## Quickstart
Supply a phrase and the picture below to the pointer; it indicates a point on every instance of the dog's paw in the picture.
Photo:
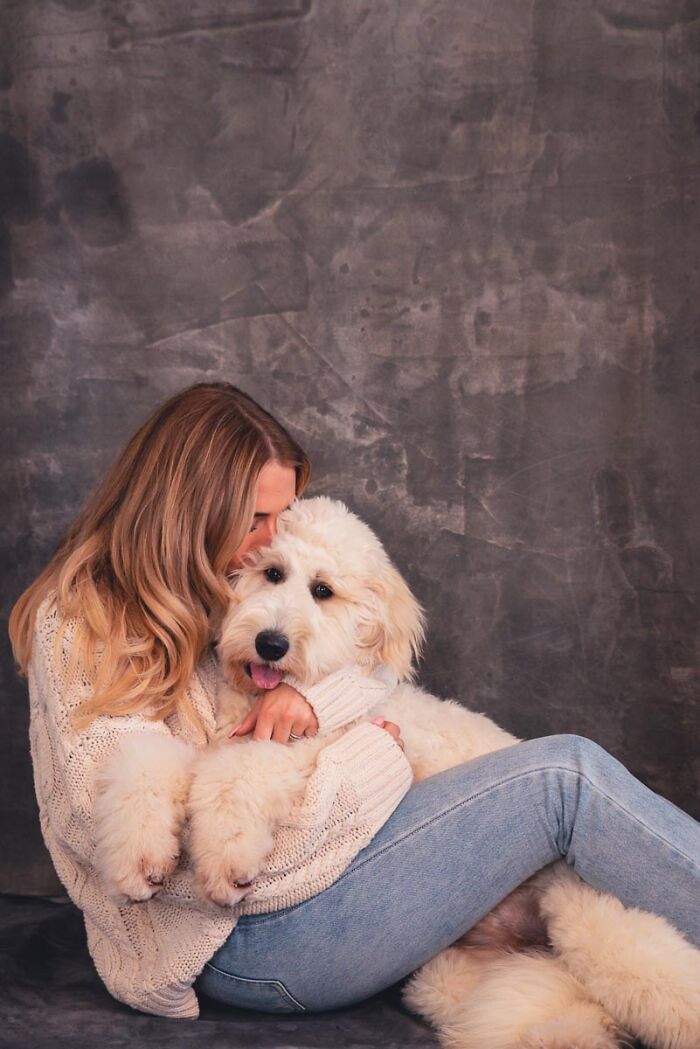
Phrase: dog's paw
(584, 1027)
(133, 871)
(226, 870)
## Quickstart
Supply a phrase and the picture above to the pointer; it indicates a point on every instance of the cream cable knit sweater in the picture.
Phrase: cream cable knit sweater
(149, 954)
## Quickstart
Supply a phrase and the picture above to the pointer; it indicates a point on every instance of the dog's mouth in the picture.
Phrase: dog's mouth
(263, 675)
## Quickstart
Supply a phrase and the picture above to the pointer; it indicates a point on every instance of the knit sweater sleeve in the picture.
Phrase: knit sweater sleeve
(369, 763)
(345, 695)
(147, 954)
(67, 761)
(68, 766)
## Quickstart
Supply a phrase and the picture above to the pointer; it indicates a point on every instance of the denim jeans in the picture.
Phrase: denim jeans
(457, 844)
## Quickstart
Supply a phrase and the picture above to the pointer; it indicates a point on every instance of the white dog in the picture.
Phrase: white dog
(556, 965)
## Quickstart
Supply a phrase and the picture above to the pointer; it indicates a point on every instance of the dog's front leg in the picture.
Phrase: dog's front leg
(138, 813)
(240, 793)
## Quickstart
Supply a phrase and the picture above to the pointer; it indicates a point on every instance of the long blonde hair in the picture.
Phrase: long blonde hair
(142, 567)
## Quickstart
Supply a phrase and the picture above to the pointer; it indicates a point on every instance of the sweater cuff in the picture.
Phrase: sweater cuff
(342, 696)
(377, 768)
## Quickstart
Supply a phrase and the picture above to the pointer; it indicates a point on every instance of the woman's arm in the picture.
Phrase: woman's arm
(345, 695)
(329, 704)
(357, 782)
(261, 809)
(111, 796)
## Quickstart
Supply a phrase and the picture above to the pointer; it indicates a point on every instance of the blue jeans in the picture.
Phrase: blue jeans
(457, 844)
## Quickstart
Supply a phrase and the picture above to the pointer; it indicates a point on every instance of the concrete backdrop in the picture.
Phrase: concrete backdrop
(453, 246)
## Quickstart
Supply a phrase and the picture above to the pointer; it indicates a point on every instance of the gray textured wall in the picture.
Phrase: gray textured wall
(453, 245)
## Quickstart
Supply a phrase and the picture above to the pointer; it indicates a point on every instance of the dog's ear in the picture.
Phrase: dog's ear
(395, 627)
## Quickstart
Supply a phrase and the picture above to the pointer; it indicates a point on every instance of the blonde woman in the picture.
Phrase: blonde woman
(115, 637)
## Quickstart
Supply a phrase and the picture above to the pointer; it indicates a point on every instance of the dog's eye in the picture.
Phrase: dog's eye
(274, 574)
(321, 591)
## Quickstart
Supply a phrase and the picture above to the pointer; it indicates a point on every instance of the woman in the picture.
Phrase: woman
(115, 637)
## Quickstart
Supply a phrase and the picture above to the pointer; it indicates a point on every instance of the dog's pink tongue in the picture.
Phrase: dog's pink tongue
(264, 676)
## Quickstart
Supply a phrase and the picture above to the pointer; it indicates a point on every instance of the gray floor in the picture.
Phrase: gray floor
(52, 998)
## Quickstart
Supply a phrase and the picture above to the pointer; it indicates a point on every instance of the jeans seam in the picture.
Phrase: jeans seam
(277, 984)
(509, 779)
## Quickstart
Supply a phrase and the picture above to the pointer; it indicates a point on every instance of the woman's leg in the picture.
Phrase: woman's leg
(458, 843)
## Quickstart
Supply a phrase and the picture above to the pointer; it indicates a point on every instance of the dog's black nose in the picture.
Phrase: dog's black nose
(270, 645)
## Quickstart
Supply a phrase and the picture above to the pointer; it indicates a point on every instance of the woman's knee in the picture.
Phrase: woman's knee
(575, 752)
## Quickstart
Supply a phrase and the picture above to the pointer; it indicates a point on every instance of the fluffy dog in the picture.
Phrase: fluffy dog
(556, 965)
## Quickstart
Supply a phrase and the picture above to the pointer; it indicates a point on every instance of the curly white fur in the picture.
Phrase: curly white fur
(139, 812)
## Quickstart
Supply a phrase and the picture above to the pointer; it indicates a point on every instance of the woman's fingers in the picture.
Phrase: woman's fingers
(276, 714)
(305, 720)
(248, 723)
(283, 726)
(308, 720)
(393, 729)
(302, 723)
(300, 728)
(265, 725)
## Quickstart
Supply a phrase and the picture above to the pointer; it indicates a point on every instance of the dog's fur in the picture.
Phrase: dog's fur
(556, 965)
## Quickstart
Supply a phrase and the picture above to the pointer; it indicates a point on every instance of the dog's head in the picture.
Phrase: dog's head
(323, 595)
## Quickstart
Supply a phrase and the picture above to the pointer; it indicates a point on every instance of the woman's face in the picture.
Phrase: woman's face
(276, 489)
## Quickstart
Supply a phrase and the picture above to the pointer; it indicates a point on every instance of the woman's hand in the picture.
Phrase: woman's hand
(392, 728)
(277, 713)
